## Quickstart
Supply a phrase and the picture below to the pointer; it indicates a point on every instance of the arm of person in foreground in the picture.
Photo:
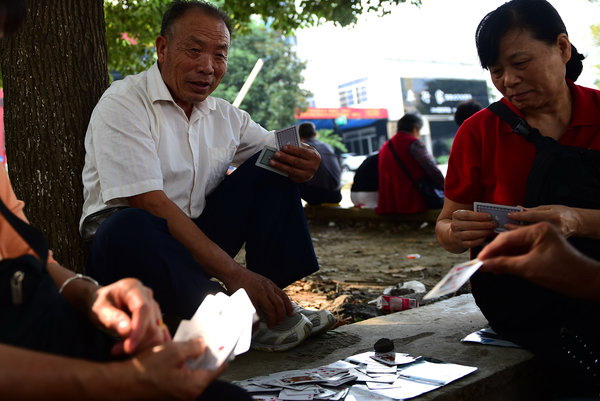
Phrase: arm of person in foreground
(540, 253)
(459, 228)
(217, 263)
(125, 307)
(156, 374)
(570, 221)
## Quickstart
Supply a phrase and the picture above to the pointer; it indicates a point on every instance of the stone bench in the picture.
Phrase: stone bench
(337, 213)
(435, 331)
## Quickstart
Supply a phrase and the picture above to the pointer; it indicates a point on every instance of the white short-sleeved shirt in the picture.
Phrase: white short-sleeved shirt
(139, 140)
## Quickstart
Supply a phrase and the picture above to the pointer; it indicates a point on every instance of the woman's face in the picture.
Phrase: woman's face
(530, 73)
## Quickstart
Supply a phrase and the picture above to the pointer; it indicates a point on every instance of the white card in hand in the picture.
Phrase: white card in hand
(454, 279)
(225, 324)
(499, 213)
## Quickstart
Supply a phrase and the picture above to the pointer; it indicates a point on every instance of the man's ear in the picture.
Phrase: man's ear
(161, 48)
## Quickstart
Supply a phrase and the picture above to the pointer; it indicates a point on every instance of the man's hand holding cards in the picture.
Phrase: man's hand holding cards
(283, 137)
(291, 157)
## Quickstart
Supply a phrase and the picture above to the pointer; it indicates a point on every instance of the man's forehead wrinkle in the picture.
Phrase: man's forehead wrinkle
(197, 39)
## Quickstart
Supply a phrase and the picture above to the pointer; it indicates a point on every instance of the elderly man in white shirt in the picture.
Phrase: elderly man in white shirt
(159, 204)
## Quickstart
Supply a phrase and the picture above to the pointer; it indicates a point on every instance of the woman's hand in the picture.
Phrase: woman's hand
(568, 220)
(128, 308)
(459, 228)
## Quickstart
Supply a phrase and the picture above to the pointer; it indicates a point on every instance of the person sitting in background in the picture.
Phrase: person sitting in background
(324, 187)
(397, 191)
(365, 187)
(465, 110)
(59, 329)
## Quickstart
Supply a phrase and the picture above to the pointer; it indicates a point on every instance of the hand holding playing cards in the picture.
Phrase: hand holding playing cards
(539, 253)
(264, 294)
(566, 219)
(128, 309)
(299, 162)
(458, 228)
(164, 375)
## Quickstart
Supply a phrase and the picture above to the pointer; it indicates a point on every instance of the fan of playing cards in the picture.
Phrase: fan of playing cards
(283, 137)
(225, 324)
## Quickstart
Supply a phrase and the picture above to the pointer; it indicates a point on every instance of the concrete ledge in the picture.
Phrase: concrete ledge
(435, 331)
(336, 213)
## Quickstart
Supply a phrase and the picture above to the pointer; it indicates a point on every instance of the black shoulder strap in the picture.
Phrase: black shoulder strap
(517, 124)
(399, 160)
(31, 235)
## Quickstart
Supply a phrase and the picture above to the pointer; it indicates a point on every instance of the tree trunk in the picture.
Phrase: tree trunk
(54, 71)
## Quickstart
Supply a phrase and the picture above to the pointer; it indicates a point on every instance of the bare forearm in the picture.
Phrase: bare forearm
(209, 255)
(80, 293)
(29, 375)
(589, 223)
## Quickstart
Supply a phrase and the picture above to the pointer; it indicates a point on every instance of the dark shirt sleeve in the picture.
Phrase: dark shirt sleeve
(419, 152)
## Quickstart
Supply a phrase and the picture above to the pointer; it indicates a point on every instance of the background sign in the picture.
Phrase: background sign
(430, 96)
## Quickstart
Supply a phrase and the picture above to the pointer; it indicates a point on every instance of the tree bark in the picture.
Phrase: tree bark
(54, 71)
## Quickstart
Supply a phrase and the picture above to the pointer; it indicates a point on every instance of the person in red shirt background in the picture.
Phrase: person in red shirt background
(397, 192)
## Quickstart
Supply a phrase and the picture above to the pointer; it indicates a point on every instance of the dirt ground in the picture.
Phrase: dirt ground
(359, 261)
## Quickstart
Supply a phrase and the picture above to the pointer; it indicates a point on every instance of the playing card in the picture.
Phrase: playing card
(287, 136)
(499, 213)
(265, 157)
(454, 279)
(393, 359)
(221, 321)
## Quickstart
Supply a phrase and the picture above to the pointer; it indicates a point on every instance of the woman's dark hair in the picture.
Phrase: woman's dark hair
(537, 17)
(408, 122)
(177, 8)
(14, 14)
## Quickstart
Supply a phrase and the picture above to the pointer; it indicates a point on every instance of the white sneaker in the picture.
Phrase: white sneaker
(286, 335)
(322, 320)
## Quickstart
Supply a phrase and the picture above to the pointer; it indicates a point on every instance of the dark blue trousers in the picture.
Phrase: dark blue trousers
(252, 206)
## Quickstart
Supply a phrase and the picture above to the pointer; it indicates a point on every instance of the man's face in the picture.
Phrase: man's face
(193, 57)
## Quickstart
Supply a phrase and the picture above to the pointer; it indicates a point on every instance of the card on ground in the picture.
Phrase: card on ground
(499, 213)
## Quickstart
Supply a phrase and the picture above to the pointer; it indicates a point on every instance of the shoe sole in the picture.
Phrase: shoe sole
(282, 347)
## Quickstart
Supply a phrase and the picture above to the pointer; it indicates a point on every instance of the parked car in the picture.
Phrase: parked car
(351, 161)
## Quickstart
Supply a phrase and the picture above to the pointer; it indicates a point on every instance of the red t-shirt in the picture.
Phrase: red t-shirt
(490, 163)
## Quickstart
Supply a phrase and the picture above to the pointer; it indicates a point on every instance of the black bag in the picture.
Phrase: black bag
(33, 314)
(433, 197)
(560, 175)
(539, 319)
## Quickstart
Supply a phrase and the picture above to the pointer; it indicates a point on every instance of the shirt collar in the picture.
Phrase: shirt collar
(158, 91)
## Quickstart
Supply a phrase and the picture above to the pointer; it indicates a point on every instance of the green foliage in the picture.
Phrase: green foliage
(596, 37)
(275, 94)
(288, 15)
(331, 138)
(141, 20)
